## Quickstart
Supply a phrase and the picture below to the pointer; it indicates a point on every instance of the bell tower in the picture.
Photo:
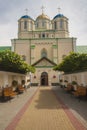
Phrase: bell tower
(25, 24)
(60, 25)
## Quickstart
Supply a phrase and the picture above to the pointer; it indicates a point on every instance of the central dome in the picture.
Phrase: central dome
(43, 16)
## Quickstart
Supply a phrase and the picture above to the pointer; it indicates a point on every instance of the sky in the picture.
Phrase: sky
(12, 10)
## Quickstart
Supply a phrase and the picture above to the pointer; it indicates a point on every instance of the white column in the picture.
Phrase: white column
(83, 79)
(70, 78)
(5, 79)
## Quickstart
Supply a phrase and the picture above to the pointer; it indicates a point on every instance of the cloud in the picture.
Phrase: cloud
(12, 10)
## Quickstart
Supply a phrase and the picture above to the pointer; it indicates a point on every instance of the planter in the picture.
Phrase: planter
(14, 83)
(74, 83)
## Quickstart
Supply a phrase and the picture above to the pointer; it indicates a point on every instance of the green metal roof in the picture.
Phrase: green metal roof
(81, 49)
(5, 48)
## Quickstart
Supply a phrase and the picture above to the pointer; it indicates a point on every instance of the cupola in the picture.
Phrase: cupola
(60, 24)
(42, 21)
(25, 23)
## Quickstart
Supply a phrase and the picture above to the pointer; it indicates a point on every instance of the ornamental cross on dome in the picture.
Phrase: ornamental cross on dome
(26, 11)
(59, 10)
(42, 9)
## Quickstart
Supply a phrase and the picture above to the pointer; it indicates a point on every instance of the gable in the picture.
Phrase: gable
(44, 63)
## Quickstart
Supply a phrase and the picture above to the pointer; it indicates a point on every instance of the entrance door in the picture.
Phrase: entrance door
(44, 79)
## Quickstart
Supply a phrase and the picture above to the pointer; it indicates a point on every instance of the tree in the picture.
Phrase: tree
(10, 61)
(72, 63)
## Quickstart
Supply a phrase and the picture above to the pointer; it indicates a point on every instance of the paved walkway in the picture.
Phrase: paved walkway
(45, 112)
(8, 110)
(78, 108)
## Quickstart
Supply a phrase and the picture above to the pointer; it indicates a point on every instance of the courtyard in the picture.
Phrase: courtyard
(44, 108)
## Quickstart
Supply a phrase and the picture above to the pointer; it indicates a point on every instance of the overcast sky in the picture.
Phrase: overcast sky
(12, 10)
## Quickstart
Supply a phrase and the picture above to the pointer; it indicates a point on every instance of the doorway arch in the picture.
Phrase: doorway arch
(44, 79)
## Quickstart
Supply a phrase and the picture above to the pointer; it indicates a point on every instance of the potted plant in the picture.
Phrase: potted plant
(14, 84)
(61, 83)
(74, 83)
(65, 83)
(23, 82)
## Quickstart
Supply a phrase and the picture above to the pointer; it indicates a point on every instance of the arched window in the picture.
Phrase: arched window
(43, 53)
(31, 25)
(42, 23)
(61, 23)
(43, 35)
(25, 24)
(37, 25)
(55, 25)
(66, 25)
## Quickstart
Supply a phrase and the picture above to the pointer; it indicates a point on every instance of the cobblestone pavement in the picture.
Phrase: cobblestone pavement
(46, 111)
(78, 108)
(8, 110)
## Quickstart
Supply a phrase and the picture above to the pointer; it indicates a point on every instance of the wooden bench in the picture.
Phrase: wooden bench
(69, 88)
(80, 92)
(20, 89)
(8, 93)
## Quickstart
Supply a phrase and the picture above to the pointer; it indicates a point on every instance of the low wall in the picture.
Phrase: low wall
(80, 77)
(6, 78)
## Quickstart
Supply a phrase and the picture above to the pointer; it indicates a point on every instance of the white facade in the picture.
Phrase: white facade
(79, 77)
(43, 43)
(6, 78)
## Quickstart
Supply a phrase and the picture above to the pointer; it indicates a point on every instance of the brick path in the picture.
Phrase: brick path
(45, 112)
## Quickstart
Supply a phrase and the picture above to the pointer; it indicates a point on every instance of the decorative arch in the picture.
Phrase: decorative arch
(55, 25)
(44, 79)
(43, 53)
